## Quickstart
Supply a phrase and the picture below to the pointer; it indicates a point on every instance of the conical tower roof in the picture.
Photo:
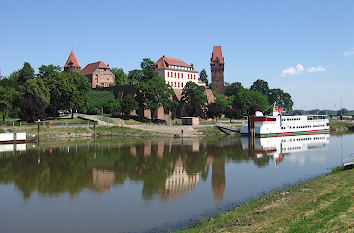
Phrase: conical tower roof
(72, 61)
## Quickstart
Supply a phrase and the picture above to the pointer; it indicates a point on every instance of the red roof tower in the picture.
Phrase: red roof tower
(217, 70)
(72, 64)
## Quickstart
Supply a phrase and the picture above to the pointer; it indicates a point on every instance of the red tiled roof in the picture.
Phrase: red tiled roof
(217, 55)
(72, 61)
(90, 68)
(164, 62)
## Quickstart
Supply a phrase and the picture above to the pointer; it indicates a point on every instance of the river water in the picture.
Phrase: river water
(115, 185)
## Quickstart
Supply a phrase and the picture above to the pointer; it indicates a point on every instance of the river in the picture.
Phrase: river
(116, 185)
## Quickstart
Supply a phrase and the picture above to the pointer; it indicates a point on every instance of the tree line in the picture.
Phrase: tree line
(30, 96)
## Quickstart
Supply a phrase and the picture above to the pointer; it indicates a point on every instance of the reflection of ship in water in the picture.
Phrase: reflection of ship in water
(179, 182)
(278, 146)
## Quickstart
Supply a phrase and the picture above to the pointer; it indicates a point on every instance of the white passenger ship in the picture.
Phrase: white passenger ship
(278, 125)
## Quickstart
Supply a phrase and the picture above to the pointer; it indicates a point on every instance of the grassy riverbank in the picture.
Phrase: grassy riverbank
(324, 204)
(341, 126)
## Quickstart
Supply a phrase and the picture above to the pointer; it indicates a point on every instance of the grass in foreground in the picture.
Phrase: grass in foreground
(324, 204)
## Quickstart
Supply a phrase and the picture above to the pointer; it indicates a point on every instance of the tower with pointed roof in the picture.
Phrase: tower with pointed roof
(72, 64)
(217, 70)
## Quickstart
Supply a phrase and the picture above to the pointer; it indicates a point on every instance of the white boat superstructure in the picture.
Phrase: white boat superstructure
(279, 125)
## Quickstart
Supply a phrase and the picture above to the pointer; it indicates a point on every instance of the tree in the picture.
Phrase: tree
(261, 86)
(193, 109)
(100, 100)
(128, 104)
(193, 92)
(74, 88)
(281, 98)
(214, 110)
(27, 72)
(148, 69)
(204, 76)
(120, 77)
(49, 71)
(232, 113)
(224, 102)
(342, 112)
(36, 87)
(246, 98)
(135, 76)
(153, 94)
(32, 108)
(233, 89)
(8, 97)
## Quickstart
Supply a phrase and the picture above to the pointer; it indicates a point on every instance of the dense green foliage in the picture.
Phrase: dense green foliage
(204, 77)
(259, 94)
(98, 101)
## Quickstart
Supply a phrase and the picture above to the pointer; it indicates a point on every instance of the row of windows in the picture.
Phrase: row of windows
(177, 75)
(290, 119)
(180, 67)
(301, 126)
(177, 84)
(303, 139)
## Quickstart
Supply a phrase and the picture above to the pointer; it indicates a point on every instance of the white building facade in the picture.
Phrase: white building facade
(176, 72)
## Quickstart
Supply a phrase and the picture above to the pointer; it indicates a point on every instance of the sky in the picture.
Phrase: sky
(305, 47)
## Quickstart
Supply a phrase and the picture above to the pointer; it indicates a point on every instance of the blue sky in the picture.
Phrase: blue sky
(305, 47)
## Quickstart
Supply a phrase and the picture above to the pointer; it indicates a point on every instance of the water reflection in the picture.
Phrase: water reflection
(166, 168)
(278, 147)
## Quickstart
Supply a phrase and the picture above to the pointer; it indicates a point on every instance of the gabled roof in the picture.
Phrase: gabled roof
(90, 68)
(72, 61)
(217, 55)
(164, 62)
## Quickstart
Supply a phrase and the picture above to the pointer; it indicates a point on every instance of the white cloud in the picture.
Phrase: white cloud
(298, 69)
(316, 69)
(349, 53)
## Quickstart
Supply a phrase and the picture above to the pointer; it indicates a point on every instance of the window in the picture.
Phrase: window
(175, 84)
(175, 75)
(194, 76)
(168, 82)
(182, 75)
(182, 84)
(178, 75)
(178, 84)
(168, 74)
(188, 76)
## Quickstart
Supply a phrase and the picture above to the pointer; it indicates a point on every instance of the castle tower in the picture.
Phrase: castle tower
(72, 64)
(217, 70)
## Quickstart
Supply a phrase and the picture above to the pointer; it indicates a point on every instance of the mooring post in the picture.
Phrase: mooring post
(249, 124)
(39, 130)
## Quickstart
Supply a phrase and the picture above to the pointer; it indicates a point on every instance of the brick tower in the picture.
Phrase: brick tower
(72, 64)
(217, 70)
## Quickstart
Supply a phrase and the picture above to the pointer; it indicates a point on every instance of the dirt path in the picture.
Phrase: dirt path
(188, 131)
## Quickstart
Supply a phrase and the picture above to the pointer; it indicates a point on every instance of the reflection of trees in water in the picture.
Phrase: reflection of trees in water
(67, 170)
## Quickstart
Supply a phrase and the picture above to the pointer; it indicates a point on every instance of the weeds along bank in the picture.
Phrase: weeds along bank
(324, 204)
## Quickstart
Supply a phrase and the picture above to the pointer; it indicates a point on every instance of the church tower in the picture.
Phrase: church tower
(72, 64)
(217, 70)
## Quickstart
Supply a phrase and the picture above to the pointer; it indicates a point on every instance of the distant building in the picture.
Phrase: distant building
(217, 70)
(99, 74)
(176, 72)
(72, 64)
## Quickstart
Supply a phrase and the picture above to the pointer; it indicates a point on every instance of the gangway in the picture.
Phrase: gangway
(227, 128)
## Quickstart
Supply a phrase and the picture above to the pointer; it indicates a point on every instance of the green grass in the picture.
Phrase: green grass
(124, 131)
(2, 130)
(324, 204)
(341, 126)
(208, 131)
